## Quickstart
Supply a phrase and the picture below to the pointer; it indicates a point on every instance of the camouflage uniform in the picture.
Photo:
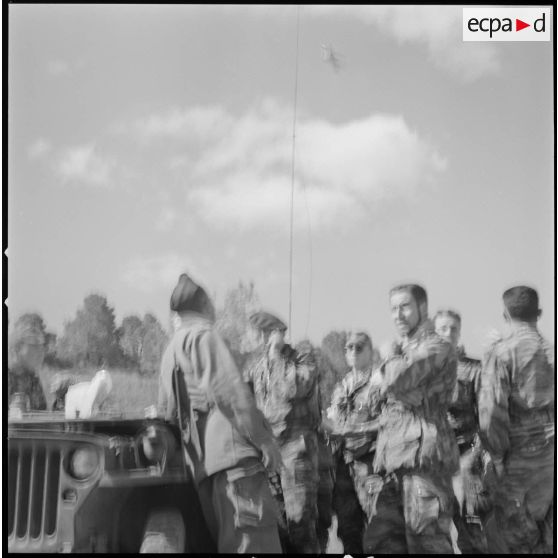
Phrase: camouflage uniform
(416, 449)
(356, 401)
(516, 417)
(326, 483)
(351, 520)
(22, 380)
(286, 390)
(464, 421)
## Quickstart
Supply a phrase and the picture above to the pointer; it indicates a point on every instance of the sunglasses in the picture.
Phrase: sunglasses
(358, 348)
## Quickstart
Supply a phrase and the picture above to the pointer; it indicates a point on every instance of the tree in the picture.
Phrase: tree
(91, 337)
(29, 322)
(232, 320)
(154, 339)
(130, 335)
(333, 349)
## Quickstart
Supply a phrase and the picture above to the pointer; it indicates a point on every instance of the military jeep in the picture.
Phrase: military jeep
(104, 484)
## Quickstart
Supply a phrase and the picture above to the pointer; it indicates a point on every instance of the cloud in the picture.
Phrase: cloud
(438, 27)
(151, 273)
(203, 123)
(241, 177)
(39, 148)
(81, 163)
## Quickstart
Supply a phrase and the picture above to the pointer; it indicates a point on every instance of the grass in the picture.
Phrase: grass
(131, 392)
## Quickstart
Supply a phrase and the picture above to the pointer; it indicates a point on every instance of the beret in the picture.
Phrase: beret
(266, 321)
(185, 294)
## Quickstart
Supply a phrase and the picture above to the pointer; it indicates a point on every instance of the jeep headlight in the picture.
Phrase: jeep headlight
(84, 462)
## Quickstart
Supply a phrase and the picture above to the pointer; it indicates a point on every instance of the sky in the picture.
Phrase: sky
(149, 140)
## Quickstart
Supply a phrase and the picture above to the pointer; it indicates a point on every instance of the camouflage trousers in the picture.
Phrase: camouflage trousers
(351, 519)
(522, 521)
(240, 512)
(476, 478)
(410, 512)
(326, 482)
(299, 484)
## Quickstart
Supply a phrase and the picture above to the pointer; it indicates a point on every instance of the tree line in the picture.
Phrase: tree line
(92, 338)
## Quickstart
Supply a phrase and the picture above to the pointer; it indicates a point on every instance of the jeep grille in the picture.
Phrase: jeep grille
(33, 482)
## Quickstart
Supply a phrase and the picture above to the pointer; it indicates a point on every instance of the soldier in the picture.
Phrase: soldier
(472, 491)
(233, 443)
(354, 410)
(416, 450)
(285, 385)
(516, 416)
(28, 353)
(326, 469)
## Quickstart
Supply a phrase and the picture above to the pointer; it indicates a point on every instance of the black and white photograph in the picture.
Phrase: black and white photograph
(279, 279)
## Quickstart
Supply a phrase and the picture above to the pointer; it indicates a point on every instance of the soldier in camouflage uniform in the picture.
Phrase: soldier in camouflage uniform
(516, 416)
(354, 410)
(416, 451)
(472, 491)
(285, 385)
(28, 353)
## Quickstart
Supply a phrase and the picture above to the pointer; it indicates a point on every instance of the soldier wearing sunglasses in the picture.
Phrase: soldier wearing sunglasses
(416, 450)
(353, 416)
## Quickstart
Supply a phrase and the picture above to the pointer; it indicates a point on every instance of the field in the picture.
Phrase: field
(131, 392)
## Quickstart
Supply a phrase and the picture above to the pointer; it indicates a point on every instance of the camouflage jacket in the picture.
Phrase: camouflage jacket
(22, 380)
(357, 399)
(516, 396)
(286, 390)
(463, 408)
(419, 386)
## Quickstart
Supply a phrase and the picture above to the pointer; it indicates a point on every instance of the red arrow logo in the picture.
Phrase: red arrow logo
(519, 25)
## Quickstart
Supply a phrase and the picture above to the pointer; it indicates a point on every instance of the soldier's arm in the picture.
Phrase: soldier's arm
(493, 407)
(405, 372)
(305, 375)
(165, 399)
(215, 367)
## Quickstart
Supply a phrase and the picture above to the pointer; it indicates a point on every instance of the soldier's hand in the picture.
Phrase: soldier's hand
(271, 457)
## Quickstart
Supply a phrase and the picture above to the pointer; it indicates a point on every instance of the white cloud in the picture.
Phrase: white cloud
(438, 27)
(242, 176)
(39, 148)
(152, 273)
(81, 163)
(203, 123)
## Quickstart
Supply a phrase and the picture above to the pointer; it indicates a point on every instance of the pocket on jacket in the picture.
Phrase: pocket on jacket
(252, 501)
(422, 504)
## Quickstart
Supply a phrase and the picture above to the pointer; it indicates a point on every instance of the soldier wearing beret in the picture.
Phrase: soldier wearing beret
(27, 356)
(230, 442)
(416, 451)
(285, 385)
(516, 416)
(472, 484)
